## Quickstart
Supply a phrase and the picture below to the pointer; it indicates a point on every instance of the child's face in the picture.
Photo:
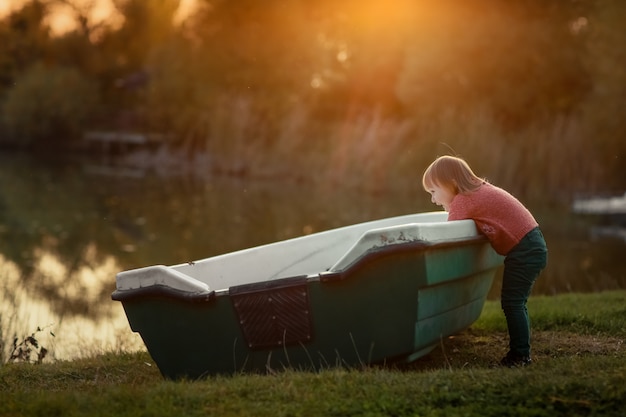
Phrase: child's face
(441, 195)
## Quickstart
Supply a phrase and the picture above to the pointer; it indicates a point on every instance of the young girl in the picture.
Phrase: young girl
(512, 231)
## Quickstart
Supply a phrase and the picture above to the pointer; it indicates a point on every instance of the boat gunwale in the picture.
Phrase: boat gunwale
(163, 291)
(380, 251)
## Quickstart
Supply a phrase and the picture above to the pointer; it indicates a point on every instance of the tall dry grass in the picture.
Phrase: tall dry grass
(554, 160)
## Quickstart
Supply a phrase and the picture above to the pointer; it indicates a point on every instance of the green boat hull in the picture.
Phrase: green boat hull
(392, 304)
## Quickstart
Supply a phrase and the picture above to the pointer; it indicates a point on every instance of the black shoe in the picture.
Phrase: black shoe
(513, 360)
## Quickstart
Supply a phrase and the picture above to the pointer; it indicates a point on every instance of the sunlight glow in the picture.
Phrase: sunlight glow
(317, 81)
(377, 15)
(579, 25)
(185, 8)
(342, 56)
(75, 335)
(85, 283)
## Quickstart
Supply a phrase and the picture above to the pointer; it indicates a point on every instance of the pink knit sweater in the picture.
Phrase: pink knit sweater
(497, 214)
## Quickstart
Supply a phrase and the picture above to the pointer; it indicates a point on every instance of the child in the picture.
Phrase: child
(512, 231)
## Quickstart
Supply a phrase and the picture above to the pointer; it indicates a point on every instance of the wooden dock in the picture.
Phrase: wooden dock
(120, 142)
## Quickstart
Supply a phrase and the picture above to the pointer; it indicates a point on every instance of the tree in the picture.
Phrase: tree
(24, 40)
(48, 103)
(518, 59)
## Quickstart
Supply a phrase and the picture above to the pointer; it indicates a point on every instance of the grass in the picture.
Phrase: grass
(579, 370)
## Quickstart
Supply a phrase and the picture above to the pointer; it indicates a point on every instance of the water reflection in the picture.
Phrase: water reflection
(66, 229)
(66, 331)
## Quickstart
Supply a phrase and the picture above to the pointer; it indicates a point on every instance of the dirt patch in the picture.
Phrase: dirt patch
(481, 349)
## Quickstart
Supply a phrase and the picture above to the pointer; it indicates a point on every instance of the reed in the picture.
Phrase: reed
(376, 153)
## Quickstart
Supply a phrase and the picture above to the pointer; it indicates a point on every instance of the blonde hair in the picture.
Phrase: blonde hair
(453, 172)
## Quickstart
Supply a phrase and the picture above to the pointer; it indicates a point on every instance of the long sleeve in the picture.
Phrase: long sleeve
(498, 215)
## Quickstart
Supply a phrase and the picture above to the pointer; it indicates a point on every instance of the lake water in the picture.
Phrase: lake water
(66, 229)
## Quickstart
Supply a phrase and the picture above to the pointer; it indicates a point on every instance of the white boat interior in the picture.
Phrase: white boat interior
(332, 250)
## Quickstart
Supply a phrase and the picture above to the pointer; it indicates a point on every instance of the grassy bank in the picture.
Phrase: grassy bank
(579, 369)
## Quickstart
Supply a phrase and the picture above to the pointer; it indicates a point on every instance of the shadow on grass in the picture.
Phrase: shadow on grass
(477, 348)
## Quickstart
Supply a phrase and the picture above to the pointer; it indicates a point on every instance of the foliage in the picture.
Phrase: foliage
(516, 87)
(604, 109)
(24, 39)
(49, 104)
(145, 25)
(467, 61)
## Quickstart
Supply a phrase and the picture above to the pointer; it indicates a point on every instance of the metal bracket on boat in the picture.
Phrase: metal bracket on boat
(273, 313)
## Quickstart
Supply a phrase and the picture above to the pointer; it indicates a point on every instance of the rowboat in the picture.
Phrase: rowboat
(378, 292)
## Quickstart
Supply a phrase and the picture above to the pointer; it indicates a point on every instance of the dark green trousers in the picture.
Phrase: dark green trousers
(522, 266)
